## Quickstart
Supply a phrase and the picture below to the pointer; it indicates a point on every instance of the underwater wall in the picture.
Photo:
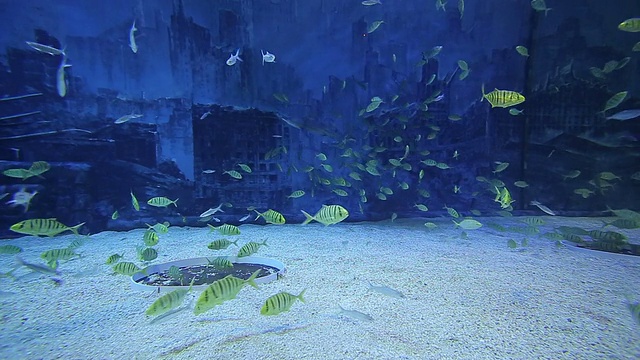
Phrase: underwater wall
(377, 107)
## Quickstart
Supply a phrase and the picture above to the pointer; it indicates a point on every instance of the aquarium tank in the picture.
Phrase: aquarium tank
(320, 179)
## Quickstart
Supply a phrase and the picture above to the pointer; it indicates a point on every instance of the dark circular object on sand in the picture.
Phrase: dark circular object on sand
(159, 278)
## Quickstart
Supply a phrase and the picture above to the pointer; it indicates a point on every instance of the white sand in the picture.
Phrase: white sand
(465, 299)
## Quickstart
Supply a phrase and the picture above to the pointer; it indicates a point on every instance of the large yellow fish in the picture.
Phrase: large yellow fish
(329, 214)
(502, 98)
(48, 227)
(630, 25)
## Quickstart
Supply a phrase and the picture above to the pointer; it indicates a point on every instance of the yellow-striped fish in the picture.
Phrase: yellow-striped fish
(280, 302)
(250, 248)
(112, 259)
(150, 237)
(161, 201)
(630, 25)
(226, 229)
(222, 290)
(160, 228)
(134, 202)
(221, 244)
(43, 227)
(502, 98)
(327, 215)
(126, 268)
(58, 254)
(168, 301)
(271, 216)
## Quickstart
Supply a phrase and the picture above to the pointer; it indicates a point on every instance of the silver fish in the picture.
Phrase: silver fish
(625, 115)
(385, 290)
(37, 267)
(244, 218)
(543, 208)
(212, 211)
(61, 82)
(45, 48)
(355, 314)
(234, 58)
(132, 38)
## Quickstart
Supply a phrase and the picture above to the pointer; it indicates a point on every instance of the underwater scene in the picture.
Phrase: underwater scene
(320, 179)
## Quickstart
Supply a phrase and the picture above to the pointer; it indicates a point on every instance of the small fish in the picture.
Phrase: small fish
(468, 224)
(46, 48)
(169, 301)
(222, 290)
(327, 215)
(53, 255)
(374, 26)
(522, 50)
(375, 103)
(452, 212)
(521, 184)
(205, 115)
(148, 254)
(571, 174)
(371, 2)
(225, 229)
(134, 202)
(125, 118)
(150, 237)
(502, 98)
(271, 217)
(246, 168)
(126, 268)
(355, 314)
(43, 227)
(61, 82)
(267, 57)
(461, 8)
(625, 115)
(37, 267)
(221, 244)
(115, 215)
(132, 37)
(421, 207)
(234, 58)
(543, 208)
(245, 218)
(221, 262)
(234, 174)
(10, 249)
(540, 5)
(500, 166)
(515, 112)
(456, 189)
(161, 201)
(114, 258)
(385, 290)
(22, 198)
(512, 244)
(615, 100)
(296, 194)
(280, 303)
(160, 228)
(212, 211)
(251, 248)
(629, 25)
(636, 47)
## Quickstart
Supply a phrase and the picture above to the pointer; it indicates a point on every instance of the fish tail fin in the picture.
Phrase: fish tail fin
(175, 202)
(483, 93)
(604, 224)
(235, 243)
(211, 228)
(308, 219)
(457, 224)
(264, 243)
(301, 294)
(252, 278)
(257, 217)
(75, 228)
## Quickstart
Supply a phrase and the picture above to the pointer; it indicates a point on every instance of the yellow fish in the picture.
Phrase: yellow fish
(271, 217)
(327, 215)
(280, 302)
(630, 25)
(48, 227)
(502, 98)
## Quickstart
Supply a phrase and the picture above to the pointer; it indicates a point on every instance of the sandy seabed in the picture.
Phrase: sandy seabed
(471, 298)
